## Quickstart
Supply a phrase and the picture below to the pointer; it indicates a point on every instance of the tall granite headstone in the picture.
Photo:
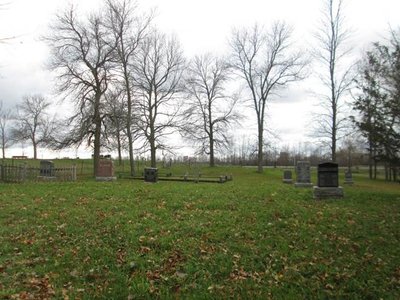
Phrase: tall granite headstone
(328, 181)
(105, 171)
(303, 174)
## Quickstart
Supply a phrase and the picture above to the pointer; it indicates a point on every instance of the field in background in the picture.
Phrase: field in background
(253, 237)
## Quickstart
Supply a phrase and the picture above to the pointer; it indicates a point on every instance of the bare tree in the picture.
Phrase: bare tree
(332, 37)
(128, 30)
(115, 124)
(5, 134)
(82, 55)
(267, 63)
(32, 122)
(158, 72)
(209, 110)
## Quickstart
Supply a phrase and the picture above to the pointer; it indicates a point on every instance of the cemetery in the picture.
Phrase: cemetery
(250, 237)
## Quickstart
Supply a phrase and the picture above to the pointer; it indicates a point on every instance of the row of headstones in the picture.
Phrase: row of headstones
(328, 179)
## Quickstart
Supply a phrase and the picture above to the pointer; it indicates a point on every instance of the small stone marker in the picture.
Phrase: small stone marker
(328, 181)
(150, 174)
(287, 176)
(348, 177)
(303, 174)
(105, 171)
(47, 169)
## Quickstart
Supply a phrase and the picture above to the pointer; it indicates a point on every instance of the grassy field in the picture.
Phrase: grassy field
(251, 238)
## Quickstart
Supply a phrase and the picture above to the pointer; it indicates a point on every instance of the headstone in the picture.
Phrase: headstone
(328, 174)
(105, 171)
(47, 169)
(328, 181)
(287, 177)
(303, 174)
(150, 174)
(348, 177)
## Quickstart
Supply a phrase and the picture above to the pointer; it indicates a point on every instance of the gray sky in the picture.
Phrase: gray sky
(201, 26)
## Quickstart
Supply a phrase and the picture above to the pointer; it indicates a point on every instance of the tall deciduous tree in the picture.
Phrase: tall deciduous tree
(157, 78)
(210, 110)
(332, 37)
(265, 59)
(82, 56)
(32, 122)
(128, 30)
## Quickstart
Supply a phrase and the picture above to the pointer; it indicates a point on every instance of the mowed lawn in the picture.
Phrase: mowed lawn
(251, 238)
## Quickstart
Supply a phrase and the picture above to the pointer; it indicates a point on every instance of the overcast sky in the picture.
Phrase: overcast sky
(201, 26)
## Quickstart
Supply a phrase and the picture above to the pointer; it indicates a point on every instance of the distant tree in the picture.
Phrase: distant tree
(267, 62)
(5, 129)
(32, 122)
(332, 37)
(210, 110)
(128, 30)
(157, 80)
(82, 56)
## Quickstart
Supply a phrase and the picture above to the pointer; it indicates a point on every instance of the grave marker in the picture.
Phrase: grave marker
(303, 174)
(328, 181)
(348, 177)
(150, 174)
(46, 169)
(105, 171)
(287, 176)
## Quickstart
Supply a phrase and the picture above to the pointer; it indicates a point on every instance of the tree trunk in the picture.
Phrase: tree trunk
(212, 162)
(34, 150)
(97, 134)
(153, 154)
(119, 148)
(260, 149)
(129, 122)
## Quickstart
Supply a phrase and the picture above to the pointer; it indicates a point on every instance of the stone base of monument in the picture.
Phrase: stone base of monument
(289, 181)
(328, 192)
(104, 178)
(349, 182)
(303, 184)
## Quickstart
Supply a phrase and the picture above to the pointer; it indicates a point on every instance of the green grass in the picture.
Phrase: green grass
(251, 238)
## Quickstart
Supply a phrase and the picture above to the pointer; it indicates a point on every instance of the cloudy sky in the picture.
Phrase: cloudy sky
(201, 26)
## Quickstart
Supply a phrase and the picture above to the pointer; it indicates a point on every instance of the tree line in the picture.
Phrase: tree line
(132, 87)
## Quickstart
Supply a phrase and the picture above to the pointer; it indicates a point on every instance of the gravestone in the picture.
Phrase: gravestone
(348, 177)
(150, 174)
(303, 174)
(105, 170)
(287, 176)
(47, 169)
(328, 181)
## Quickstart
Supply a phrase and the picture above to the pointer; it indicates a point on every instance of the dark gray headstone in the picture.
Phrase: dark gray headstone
(46, 168)
(328, 182)
(328, 174)
(287, 176)
(150, 174)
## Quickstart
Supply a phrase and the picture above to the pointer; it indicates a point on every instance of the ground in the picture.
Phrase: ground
(252, 238)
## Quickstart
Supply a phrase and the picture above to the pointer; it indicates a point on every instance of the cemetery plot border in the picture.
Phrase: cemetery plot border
(24, 173)
(187, 178)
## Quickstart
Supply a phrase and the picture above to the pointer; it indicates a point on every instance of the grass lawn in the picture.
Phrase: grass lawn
(251, 238)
